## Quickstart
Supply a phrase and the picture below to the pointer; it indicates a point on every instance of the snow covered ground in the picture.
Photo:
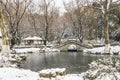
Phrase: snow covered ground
(50, 50)
(113, 49)
(32, 50)
(17, 74)
(20, 74)
(26, 50)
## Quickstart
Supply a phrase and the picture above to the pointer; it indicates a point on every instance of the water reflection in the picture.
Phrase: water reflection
(75, 62)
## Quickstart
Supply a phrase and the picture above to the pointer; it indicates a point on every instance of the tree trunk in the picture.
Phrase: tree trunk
(106, 29)
(5, 40)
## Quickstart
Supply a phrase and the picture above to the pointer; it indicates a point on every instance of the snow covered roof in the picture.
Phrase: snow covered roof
(33, 38)
(36, 38)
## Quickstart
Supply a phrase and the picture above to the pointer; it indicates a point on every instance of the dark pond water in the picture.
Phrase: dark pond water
(74, 62)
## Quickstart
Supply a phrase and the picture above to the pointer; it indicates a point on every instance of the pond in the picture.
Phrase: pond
(74, 62)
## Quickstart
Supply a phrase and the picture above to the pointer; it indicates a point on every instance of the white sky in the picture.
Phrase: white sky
(59, 4)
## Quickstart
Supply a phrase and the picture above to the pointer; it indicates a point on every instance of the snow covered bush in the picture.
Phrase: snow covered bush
(104, 69)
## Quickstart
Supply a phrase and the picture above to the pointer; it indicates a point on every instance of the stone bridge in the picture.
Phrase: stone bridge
(72, 46)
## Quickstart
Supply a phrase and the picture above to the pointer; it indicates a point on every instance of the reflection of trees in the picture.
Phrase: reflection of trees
(73, 61)
(45, 60)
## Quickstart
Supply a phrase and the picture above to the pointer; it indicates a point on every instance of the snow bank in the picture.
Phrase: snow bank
(67, 77)
(26, 50)
(4, 62)
(17, 74)
(20, 74)
(54, 72)
(94, 50)
(113, 49)
(50, 50)
(12, 60)
(71, 77)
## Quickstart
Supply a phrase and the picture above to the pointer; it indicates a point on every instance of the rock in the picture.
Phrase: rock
(103, 67)
(23, 58)
(61, 72)
(98, 45)
(52, 73)
(13, 52)
(45, 73)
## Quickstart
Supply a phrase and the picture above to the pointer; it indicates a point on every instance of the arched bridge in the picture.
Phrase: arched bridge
(65, 46)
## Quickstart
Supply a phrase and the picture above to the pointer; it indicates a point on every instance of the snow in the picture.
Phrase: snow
(50, 50)
(17, 74)
(54, 70)
(72, 77)
(33, 38)
(113, 49)
(72, 47)
(20, 74)
(26, 50)
(104, 69)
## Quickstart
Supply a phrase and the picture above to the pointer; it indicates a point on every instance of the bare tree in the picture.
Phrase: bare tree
(61, 28)
(15, 10)
(4, 31)
(49, 12)
(80, 13)
(34, 19)
(106, 28)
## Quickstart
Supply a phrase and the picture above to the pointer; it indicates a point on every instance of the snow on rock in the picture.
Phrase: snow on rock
(48, 73)
(104, 69)
(59, 74)
(17, 74)
(20, 74)
(66, 77)
(12, 60)
(71, 77)
(4, 61)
